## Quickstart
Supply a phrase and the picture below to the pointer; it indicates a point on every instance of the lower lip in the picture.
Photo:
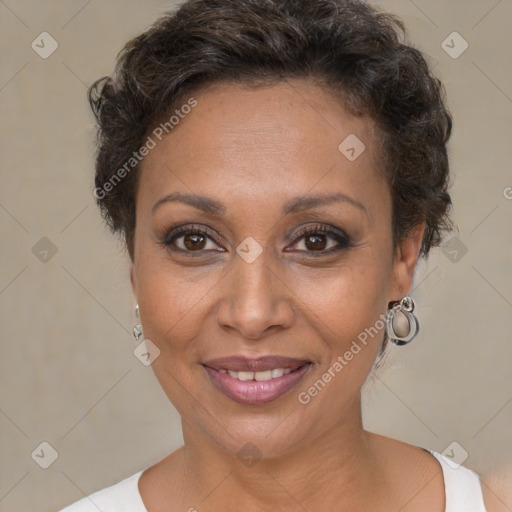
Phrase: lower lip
(254, 392)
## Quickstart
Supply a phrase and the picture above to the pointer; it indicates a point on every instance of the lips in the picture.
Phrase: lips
(256, 381)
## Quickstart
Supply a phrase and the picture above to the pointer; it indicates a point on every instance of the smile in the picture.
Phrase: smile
(256, 381)
(258, 376)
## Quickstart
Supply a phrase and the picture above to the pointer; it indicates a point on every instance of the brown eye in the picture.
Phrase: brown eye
(191, 239)
(194, 242)
(319, 240)
(316, 242)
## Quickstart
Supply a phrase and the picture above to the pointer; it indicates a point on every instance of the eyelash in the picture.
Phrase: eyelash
(342, 239)
(337, 235)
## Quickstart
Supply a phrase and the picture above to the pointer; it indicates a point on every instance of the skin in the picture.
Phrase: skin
(497, 491)
(253, 150)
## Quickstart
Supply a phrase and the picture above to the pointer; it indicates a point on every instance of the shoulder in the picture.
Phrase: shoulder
(414, 477)
(497, 490)
(462, 486)
(117, 498)
(442, 483)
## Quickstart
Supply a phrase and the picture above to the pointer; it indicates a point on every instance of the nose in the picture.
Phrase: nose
(255, 300)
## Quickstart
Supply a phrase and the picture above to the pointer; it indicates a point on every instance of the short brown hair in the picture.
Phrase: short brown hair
(348, 45)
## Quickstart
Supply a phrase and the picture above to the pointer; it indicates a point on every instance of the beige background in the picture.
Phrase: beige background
(69, 376)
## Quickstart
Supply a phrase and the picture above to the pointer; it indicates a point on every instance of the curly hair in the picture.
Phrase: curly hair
(350, 47)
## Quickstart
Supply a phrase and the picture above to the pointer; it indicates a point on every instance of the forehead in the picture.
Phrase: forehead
(291, 137)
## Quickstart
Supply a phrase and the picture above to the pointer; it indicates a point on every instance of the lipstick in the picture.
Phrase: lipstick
(256, 381)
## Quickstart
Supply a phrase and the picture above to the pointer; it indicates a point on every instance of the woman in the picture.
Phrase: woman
(276, 169)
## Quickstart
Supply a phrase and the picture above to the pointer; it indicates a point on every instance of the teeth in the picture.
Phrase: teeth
(258, 376)
(267, 375)
(278, 372)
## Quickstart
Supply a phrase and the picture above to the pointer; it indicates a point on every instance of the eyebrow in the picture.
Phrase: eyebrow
(299, 204)
(203, 203)
(294, 205)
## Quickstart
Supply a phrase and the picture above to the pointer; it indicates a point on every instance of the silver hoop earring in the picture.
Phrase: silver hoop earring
(400, 334)
(137, 328)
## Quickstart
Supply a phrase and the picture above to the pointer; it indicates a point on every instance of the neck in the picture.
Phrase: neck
(337, 465)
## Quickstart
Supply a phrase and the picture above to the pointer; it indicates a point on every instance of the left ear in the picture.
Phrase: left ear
(404, 263)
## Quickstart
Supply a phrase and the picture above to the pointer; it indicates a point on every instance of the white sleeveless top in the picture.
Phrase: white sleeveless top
(462, 488)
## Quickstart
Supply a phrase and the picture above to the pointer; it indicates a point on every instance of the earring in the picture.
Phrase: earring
(396, 331)
(137, 328)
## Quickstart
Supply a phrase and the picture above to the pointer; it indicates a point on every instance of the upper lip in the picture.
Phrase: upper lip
(260, 364)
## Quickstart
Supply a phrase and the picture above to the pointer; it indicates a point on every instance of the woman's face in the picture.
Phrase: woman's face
(264, 248)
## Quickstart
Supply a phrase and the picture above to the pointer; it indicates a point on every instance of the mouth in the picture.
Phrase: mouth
(275, 373)
(256, 381)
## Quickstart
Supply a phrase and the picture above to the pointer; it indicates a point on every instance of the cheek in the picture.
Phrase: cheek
(348, 296)
(347, 307)
(172, 305)
(171, 312)
(348, 315)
